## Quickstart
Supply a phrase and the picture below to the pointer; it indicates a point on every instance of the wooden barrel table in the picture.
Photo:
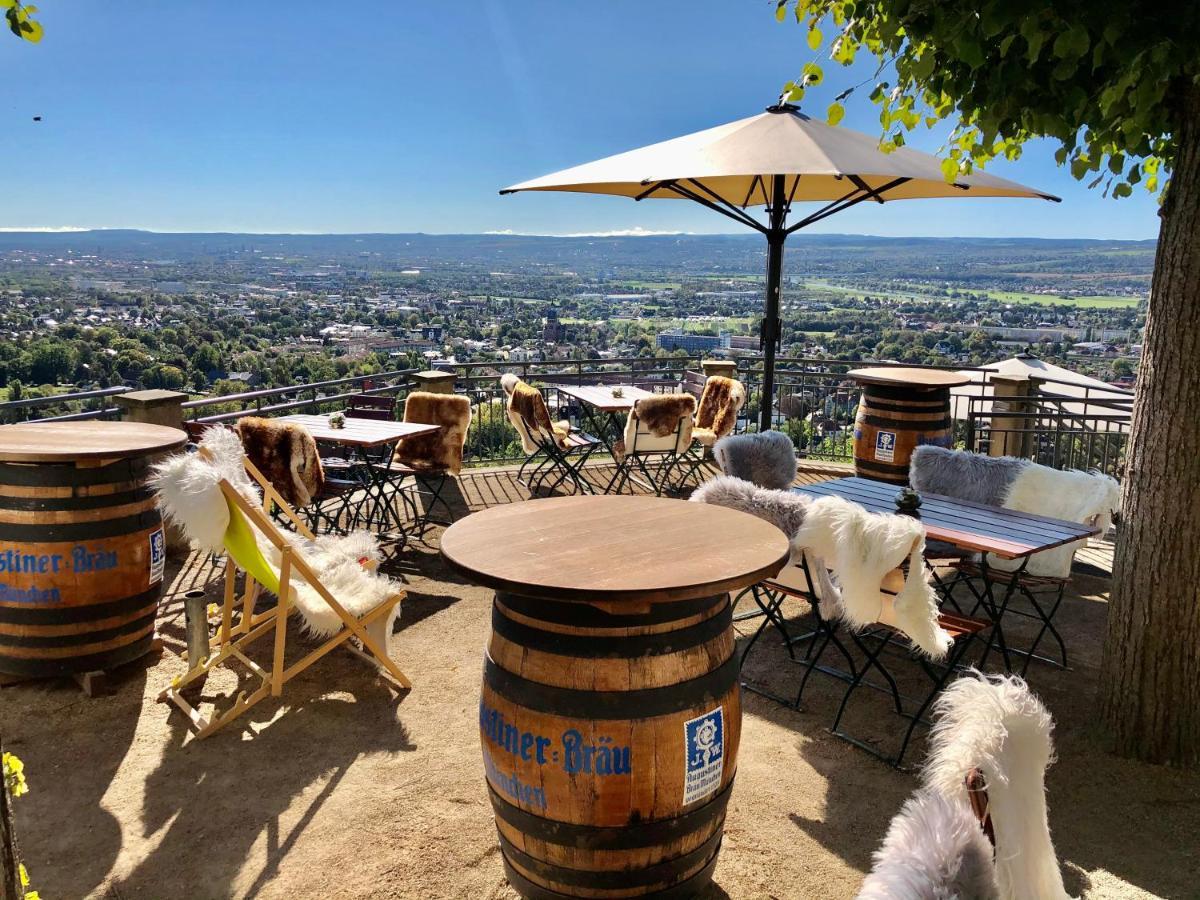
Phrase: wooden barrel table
(82, 548)
(610, 711)
(900, 409)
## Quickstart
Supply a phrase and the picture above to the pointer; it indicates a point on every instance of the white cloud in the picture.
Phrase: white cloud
(637, 231)
(44, 228)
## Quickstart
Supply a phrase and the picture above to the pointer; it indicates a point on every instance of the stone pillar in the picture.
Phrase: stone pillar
(1009, 395)
(157, 407)
(726, 368)
(435, 382)
(152, 407)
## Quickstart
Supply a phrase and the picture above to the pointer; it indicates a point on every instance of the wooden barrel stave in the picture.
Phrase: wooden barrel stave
(75, 555)
(585, 680)
(911, 416)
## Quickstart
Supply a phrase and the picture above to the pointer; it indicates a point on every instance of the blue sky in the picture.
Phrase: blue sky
(392, 116)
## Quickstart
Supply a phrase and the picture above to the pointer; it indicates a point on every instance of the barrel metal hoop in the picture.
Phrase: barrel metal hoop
(645, 703)
(62, 614)
(609, 837)
(613, 879)
(94, 501)
(908, 424)
(79, 531)
(902, 392)
(929, 407)
(584, 615)
(83, 637)
(103, 661)
(70, 475)
(594, 646)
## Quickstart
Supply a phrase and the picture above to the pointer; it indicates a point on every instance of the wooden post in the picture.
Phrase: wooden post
(1008, 433)
(434, 382)
(152, 407)
(726, 368)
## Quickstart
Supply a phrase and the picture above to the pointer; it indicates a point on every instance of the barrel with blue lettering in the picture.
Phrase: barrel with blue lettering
(82, 551)
(610, 737)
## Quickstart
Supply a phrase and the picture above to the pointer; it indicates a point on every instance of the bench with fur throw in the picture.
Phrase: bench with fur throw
(1022, 485)
(859, 547)
(286, 455)
(528, 414)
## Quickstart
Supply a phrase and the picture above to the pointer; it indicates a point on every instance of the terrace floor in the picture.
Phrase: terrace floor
(343, 789)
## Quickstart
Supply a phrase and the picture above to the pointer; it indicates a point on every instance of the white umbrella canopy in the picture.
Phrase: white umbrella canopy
(774, 159)
(735, 162)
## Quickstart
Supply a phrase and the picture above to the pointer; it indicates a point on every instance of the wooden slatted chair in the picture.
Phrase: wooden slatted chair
(249, 527)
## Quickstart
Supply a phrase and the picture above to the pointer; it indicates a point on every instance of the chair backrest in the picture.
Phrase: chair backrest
(441, 450)
(286, 455)
(767, 459)
(529, 415)
(660, 424)
(371, 406)
(720, 404)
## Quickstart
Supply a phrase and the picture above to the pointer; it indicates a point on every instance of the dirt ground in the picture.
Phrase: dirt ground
(345, 790)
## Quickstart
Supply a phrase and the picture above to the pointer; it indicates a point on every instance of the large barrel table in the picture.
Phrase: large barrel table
(82, 548)
(900, 409)
(610, 712)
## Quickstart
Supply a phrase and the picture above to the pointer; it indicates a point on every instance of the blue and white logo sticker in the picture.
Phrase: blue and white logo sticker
(885, 446)
(158, 556)
(704, 746)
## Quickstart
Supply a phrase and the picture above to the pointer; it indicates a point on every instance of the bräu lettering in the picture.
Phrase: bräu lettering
(571, 751)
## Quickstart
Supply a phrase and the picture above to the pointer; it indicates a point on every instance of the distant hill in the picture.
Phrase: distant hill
(960, 259)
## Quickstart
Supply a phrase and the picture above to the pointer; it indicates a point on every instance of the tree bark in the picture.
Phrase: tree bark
(1150, 684)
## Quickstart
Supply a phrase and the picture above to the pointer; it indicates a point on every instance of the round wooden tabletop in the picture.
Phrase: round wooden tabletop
(614, 548)
(917, 378)
(86, 440)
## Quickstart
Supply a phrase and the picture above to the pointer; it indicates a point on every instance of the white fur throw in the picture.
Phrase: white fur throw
(995, 724)
(1020, 485)
(189, 495)
(860, 548)
(768, 458)
(933, 850)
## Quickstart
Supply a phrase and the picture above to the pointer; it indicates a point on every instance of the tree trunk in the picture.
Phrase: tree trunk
(1150, 685)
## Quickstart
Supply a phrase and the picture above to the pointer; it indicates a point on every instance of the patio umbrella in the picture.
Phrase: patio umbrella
(774, 159)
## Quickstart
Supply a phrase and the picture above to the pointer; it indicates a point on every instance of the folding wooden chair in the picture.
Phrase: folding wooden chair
(234, 636)
(657, 434)
(558, 453)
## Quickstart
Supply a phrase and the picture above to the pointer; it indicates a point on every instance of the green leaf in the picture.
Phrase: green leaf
(813, 75)
(835, 113)
(1122, 190)
(1031, 30)
(781, 11)
(949, 170)
(814, 38)
(1006, 44)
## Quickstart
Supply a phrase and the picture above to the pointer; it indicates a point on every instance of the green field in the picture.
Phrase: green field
(1102, 301)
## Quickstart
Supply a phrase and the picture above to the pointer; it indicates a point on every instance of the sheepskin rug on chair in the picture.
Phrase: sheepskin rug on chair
(768, 458)
(935, 847)
(189, 495)
(1025, 486)
(860, 548)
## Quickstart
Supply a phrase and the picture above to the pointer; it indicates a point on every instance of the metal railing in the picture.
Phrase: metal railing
(72, 406)
(1062, 424)
(313, 398)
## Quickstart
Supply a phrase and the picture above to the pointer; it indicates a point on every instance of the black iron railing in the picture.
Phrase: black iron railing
(71, 406)
(1062, 424)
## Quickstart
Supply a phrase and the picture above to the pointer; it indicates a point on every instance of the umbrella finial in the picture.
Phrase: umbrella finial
(782, 105)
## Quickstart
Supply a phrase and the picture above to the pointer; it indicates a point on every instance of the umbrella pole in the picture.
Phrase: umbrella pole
(771, 327)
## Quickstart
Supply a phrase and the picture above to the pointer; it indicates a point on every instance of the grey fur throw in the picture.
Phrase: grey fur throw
(967, 476)
(768, 459)
(783, 509)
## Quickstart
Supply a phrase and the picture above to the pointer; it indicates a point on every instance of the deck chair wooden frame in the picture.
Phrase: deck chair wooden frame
(233, 637)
